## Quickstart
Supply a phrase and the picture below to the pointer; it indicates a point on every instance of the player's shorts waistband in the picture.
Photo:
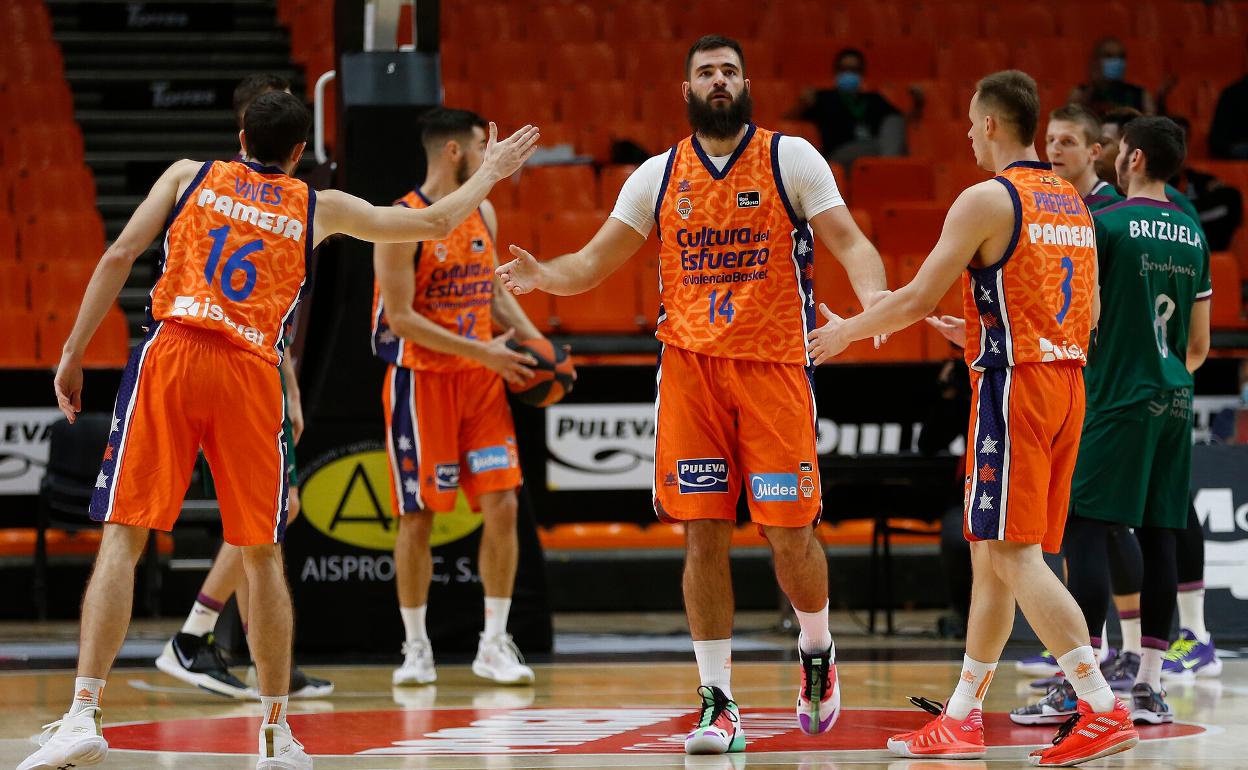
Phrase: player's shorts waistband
(196, 335)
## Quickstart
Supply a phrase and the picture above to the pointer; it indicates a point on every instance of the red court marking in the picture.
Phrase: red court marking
(554, 731)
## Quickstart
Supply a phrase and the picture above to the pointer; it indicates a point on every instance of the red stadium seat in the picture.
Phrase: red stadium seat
(651, 61)
(954, 176)
(19, 345)
(13, 287)
(939, 139)
(906, 228)
(559, 134)
(802, 128)
(795, 20)
(1111, 16)
(873, 22)
(519, 61)
(969, 60)
(662, 105)
(562, 23)
(737, 19)
(38, 145)
(610, 182)
(557, 189)
(938, 20)
(311, 29)
(1044, 58)
(810, 61)
(637, 21)
(63, 237)
(474, 21)
(609, 307)
(109, 348)
(864, 221)
(1228, 17)
(516, 102)
(882, 181)
(1170, 20)
(58, 286)
(600, 102)
(518, 227)
(1228, 303)
(8, 239)
(773, 99)
(1219, 59)
(50, 100)
(901, 60)
(647, 270)
(581, 62)
(52, 190)
(1011, 21)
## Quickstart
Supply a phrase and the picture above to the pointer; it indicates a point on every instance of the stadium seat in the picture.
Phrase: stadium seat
(811, 61)
(610, 307)
(1228, 302)
(1061, 70)
(517, 102)
(37, 145)
(802, 128)
(939, 139)
(795, 20)
(109, 348)
(873, 22)
(945, 21)
(610, 182)
(1170, 20)
(463, 95)
(1012, 21)
(580, 62)
(8, 239)
(901, 60)
(473, 22)
(637, 21)
(737, 19)
(966, 61)
(1109, 15)
(63, 237)
(909, 227)
(762, 59)
(562, 23)
(954, 176)
(646, 262)
(662, 105)
(881, 181)
(518, 60)
(312, 28)
(652, 61)
(560, 133)
(13, 288)
(556, 189)
(1228, 17)
(862, 218)
(19, 345)
(52, 190)
(1217, 59)
(58, 286)
(773, 98)
(601, 103)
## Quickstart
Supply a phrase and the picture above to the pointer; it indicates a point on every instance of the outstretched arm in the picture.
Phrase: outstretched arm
(338, 212)
(573, 273)
(110, 275)
(506, 309)
(968, 225)
(837, 230)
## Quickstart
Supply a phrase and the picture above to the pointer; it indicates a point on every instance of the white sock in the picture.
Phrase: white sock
(971, 689)
(1150, 667)
(1084, 673)
(86, 693)
(1102, 652)
(816, 638)
(414, 623)
(714, 658)
(1192, 614)
(1131, 635)
(201, 620)
(274, 709)
(496, 611)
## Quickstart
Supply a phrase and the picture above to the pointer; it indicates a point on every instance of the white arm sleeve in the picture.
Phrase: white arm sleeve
(807, 179)
(640, 194)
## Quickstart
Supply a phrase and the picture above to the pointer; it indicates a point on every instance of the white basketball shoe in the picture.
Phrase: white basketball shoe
(417, 665)
(74, 740)
(499, 660)
(279, 750)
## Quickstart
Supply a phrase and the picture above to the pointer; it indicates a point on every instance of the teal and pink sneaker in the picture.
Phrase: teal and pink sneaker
(1189, 658)
(718, 730)
(819, 699)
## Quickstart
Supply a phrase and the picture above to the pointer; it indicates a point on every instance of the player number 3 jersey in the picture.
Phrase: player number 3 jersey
(234, 255)
(1035, 304)
(736, 264)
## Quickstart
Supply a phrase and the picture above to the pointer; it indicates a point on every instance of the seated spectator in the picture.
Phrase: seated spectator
(1228, 135)
(1220, 206)
(854, 123)
(1106, 87)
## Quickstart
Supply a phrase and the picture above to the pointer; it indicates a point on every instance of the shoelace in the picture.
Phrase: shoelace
(822, 679)
(210, 644)
(1180, 649)
(1067, 728)
(714, 704)
(935, 708)
(508, 645)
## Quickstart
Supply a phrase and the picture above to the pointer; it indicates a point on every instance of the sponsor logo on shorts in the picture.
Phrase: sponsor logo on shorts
(706, 474)
(490, 458)
(1060, 351)
(670, 480)
(749, 199)
(446, 476)
(806, 467)
(684, 207)
(774, 487)
(807, 486)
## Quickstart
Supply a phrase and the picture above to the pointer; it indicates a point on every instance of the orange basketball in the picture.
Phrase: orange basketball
(553, 375)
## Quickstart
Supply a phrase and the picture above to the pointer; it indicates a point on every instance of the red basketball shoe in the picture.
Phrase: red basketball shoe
(1088, 735)
(943, 737)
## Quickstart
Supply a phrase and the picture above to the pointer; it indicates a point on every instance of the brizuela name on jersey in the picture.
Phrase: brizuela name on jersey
(1164, 231)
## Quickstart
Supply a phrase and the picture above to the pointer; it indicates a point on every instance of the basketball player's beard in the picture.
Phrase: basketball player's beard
(719, 122)
(461, 171)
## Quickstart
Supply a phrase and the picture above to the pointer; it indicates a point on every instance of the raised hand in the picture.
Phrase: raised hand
(522, 274)
(950, 327)
(506, 157)
(513, 366)
(826, 342)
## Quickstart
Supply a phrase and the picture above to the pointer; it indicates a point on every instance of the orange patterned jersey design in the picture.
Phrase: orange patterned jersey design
(235, 255)
(1035, 305)
(454, 289)
(736, 265)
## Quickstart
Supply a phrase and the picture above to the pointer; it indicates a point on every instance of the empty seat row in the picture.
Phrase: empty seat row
(35, 339)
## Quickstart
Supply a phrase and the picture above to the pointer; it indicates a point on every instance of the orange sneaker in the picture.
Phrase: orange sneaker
(1089, 735)
(943, 737)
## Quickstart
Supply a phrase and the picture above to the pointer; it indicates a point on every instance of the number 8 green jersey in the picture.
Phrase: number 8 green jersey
(1154, 265)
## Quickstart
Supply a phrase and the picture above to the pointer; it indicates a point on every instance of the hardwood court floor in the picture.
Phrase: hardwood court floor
(593, 715)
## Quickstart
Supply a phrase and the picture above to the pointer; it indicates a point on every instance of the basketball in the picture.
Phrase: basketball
(554, 373)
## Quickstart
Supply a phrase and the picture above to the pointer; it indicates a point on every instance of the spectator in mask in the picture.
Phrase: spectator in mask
(852, 122)
(1107, 87)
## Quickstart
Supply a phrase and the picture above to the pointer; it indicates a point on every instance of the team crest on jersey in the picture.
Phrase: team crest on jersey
(440, 252)
(750, 199)
(1051, 180)
(478, 245)
(683, 186)
(684, 207)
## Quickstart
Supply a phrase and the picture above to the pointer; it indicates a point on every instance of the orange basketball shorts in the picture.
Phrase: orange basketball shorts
(724, 423)
(444, 431)
(1026, 421)
(185, 389)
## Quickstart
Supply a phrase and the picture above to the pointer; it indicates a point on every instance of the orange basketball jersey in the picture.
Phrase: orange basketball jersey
(454, 289)
(235, 254)
(1035, 305)
(736, 265)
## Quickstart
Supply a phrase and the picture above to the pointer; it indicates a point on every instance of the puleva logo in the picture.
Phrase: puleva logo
(446, 476)
(708, 474)
(348, 499)
(773, 487)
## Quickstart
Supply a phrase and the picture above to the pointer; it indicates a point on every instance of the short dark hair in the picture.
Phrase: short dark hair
(1084, 117)
(252, 86)
(710, 43)
(1012, 95)
(1120, 116)
(443, 124)
(1162, 142)
(841, 54)
(274, 123)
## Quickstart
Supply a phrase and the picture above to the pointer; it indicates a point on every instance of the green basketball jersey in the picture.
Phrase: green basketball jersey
(1154, 266)
(1181, 200)
(1102, 195)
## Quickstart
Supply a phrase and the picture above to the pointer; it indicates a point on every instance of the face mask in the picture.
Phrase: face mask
(1113, 67)
(848, 82)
